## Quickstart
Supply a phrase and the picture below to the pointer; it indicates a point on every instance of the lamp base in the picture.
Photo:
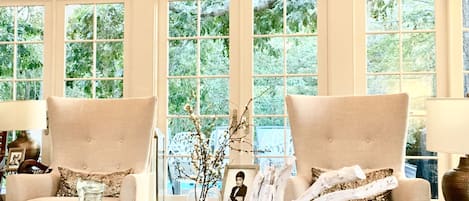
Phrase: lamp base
(454, 184)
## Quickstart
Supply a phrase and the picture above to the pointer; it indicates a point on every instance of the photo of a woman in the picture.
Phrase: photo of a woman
(237, 182)
(238, 192)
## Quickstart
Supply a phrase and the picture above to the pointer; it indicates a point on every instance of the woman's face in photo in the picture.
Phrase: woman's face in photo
(239, 181)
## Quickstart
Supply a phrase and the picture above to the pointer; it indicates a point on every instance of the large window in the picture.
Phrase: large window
(94, 50)
(284, 62)
(400, 41)
(197, 73)
(21, 52)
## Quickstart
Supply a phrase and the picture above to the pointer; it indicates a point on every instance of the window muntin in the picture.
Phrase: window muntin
(285, 62)
(401, 57)
(21, 52)
(94, 49)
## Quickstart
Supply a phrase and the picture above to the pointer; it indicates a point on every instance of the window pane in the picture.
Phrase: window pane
(269, 136)
(268, 16)
(109, 88)
(465, 12)
(215, 18)
(30, 23)
(29, 90)
(6, 91)
(214, 96)
(302, 55)
(29, 61)
(110, 59)
(182, 18)
(383, 84)
(302, 85)
(214, 57)
(382, 53)
(7, 27)
(79, 60)
(419, 87)
(79, 89)
(416, 138)
(418, 14)
(302, 16)
(272, 99)
(268, 56)
(110, 21)
(466, 85)
(466, 50)
(180, 92)
(418, 52)
(79, 22)
(177, 132)
(6, 61)
(182, 57)
(382, 15)
(426, 169)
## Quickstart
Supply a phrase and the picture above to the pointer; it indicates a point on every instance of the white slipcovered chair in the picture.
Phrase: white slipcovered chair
(333, 132)
(95, 136)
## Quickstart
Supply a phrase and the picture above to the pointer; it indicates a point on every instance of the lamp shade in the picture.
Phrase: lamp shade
(447, 125)
(23, 115)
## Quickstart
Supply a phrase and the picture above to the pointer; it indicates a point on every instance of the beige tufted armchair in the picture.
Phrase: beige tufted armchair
(334, 132)
(94, 136)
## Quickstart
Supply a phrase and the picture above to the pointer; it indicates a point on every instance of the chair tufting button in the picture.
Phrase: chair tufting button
(368, 140)
(330, 140)
(89, 139)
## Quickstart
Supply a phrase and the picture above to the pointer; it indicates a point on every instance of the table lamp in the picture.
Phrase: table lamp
(22, 116)
(447, 127)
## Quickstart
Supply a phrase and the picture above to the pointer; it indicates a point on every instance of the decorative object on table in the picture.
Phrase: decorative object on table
(447, 120)
(207, 161)
(237, 182)
(15, 157)
(30, 166)
(269, 185)
(88, 190)
(24, 116)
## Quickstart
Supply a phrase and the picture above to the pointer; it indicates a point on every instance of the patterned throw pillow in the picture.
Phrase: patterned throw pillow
(69, 179)
(371, 175)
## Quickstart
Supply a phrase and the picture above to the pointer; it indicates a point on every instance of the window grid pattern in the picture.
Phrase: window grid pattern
(197, 74)
(410, 67)
(98, 70)
(283, 75)
(22, 65)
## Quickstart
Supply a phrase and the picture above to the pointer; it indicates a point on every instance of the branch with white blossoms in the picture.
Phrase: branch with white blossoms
(207, 163)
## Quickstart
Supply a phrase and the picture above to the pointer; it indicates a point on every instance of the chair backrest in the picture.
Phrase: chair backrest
(334, 132)
(101, 135)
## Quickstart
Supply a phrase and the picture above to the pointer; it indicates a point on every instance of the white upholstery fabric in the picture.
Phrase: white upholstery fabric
(333, 132)
(97, 136)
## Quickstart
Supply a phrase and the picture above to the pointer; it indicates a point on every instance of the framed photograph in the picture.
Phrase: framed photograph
(15, 157)
(237, 182)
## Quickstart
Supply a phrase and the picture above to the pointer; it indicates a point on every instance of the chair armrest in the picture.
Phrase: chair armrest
(296, 185)
(412, 190)
(22, 187)
(138, 187)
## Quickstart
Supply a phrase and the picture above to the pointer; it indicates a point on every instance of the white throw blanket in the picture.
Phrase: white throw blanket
(346, 174)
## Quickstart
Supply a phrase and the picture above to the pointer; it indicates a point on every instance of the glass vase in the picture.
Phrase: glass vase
(213, 194)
